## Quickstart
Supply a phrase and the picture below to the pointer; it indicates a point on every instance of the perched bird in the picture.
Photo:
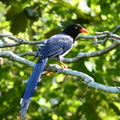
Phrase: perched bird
(55, 47)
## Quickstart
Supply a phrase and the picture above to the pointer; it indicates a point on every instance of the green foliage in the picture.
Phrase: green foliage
(60, 97)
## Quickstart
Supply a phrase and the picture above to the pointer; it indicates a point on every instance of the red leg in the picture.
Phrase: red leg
(64, 66)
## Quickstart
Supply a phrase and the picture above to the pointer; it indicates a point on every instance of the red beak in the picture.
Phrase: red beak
(83, 30)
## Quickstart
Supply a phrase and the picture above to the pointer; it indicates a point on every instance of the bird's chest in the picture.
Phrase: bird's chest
(65, 52)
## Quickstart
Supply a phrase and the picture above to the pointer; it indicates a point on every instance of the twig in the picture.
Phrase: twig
(116, 29)
(95, 41)
(16, 39)
(27, 53)
(104, 32)
(12, 56)
(91, 37)
(19, 43)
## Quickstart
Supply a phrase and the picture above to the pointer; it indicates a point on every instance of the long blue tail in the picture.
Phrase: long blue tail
(31, 85)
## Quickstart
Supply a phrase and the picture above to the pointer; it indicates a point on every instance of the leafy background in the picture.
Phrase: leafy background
(60, 97)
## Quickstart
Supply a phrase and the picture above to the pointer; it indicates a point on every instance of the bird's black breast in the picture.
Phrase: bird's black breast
(55, 46)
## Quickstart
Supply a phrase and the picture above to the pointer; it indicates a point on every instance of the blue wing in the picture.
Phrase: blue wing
(55, 46)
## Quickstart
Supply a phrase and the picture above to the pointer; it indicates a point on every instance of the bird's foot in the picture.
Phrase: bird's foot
(49, 73)
(63, 65)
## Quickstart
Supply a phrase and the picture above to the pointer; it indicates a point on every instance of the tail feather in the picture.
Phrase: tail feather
(32, 84)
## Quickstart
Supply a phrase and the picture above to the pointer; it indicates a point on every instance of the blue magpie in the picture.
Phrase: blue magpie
(55, 47)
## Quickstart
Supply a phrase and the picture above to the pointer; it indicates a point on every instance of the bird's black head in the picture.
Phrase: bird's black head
(74, 29)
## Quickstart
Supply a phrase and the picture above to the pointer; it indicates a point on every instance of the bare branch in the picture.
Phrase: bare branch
(95, 41)
(91, 37)
(12, 56)
(116, 29)
(82, 55)
(27, 53)
(104, 34)
(18, 41)
(87, 80)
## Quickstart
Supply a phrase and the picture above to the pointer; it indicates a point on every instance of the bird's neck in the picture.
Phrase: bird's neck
(70, 33)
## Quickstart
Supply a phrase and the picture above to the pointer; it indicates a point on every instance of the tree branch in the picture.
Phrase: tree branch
(18, 41)
(27, 53)
(82, 55)
(87, 80)
(12, 56)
